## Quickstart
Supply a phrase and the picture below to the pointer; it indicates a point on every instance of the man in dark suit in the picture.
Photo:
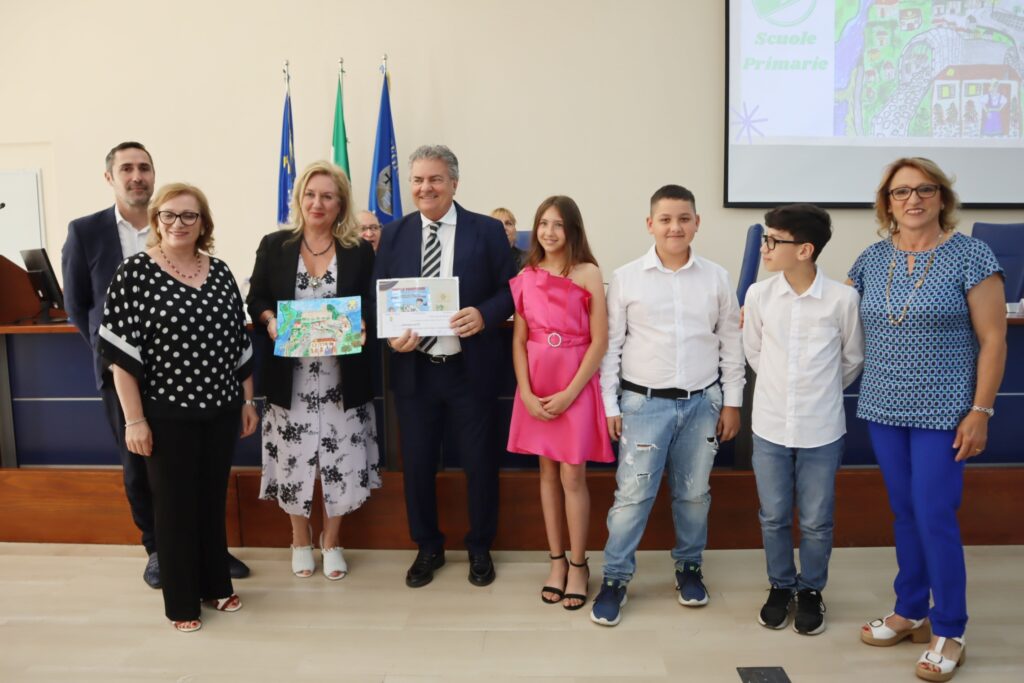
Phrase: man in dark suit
(95, 247)
(449, 381)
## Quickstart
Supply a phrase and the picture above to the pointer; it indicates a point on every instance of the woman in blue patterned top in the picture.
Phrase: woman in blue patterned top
(935, 348)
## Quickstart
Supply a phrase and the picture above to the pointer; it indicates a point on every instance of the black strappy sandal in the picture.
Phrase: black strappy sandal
(577, 596)
(560, 592)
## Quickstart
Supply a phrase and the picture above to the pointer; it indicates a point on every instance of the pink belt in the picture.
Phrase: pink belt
(556, 339)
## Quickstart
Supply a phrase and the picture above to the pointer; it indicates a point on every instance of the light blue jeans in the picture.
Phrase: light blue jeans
(806, 477)
(660, 432)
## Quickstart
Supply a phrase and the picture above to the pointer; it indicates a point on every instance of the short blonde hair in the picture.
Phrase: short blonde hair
(346, 228)
(948, 217)
(169, 192)
(501, 213)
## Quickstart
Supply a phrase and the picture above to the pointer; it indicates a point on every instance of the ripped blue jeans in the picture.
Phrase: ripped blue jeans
(656, 432)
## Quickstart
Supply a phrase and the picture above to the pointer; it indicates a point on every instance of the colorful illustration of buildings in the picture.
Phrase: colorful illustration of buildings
(987, 94)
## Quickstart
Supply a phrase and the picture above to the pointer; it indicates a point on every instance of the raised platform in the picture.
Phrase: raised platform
(88, 506)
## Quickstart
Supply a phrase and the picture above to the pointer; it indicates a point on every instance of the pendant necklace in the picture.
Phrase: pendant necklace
(896, 321)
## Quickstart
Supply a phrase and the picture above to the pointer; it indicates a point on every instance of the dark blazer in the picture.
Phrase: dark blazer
(273, 280)
(89, 259)
(483, 263)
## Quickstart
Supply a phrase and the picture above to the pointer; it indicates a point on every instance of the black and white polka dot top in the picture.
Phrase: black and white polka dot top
(188, 348)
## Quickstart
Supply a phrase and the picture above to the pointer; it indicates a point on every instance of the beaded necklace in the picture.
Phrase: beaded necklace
(199, 265)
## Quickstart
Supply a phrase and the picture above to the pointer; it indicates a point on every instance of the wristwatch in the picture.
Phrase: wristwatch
(988, 411)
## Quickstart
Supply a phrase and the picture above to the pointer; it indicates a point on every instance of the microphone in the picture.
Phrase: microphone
(2, 205)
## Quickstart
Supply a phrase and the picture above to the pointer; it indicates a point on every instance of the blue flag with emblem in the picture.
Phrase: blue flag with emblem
(385, 198)
(286, 162)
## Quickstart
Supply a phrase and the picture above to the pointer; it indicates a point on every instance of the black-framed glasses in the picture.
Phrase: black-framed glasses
(902, 194)
(372, 228)
(770, 242)
(168, 217)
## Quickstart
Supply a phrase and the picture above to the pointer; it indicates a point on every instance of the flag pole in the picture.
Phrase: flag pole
(287, 77)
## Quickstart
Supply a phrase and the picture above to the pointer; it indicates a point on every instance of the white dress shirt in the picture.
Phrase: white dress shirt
(445, 346)
(132, 240)
(672, 329)
(805, 348)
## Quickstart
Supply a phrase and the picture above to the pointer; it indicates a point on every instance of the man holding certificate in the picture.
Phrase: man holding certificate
(447, 376)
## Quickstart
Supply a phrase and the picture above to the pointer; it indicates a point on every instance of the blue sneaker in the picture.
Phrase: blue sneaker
(690, 585)
(607, 609)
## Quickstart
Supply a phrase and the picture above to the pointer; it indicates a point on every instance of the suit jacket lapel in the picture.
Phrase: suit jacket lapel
(409, 245)
(288, 269)
(112, 239)
(465, 242)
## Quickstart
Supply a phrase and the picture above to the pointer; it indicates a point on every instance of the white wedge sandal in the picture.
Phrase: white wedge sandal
(878, 634)
(946, 667)
(335, 567)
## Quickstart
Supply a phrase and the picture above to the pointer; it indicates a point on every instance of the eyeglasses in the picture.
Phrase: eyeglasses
(902, 194)
(372, 228)
(770, 242)
(168, 217)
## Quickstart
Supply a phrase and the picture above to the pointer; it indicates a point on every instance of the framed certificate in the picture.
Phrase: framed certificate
(424, 305)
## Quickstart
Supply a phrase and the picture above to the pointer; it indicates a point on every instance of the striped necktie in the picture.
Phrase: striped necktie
(431, 268)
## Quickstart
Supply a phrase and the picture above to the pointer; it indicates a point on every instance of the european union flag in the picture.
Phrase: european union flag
(385, 197)
(286, 170)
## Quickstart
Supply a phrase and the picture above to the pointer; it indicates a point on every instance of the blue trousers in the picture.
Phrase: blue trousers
(806, 477)
(657, 433)
(925, 485)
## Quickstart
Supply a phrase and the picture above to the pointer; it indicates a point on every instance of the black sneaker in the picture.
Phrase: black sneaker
(775, 613)
(810, 613)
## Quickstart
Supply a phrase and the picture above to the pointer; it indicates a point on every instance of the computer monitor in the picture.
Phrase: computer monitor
(44, 282)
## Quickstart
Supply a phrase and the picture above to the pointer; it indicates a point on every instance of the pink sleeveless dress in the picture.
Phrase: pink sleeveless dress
(557, 311)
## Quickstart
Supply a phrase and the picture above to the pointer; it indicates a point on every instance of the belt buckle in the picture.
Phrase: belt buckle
(437, 360)
(551, 343)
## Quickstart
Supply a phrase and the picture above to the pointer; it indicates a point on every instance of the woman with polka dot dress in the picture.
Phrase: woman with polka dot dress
(319, 422)
(935, 348)
(174, 333)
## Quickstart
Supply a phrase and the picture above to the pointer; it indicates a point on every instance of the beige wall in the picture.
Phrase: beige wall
(604, 100)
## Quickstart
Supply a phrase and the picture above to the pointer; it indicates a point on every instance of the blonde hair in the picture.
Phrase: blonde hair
(948, 217)
(168, 192)
(501, 213)
(346, 228)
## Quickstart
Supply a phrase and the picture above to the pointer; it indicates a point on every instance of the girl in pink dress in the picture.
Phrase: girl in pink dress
(561, 334)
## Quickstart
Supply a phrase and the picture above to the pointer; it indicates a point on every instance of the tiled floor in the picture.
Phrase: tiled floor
(82, 613)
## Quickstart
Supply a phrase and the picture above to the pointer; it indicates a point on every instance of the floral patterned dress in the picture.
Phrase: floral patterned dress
(318, 434)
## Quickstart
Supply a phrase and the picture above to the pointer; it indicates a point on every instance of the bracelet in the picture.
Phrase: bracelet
(988, 411)
(249, 402)
(135, 422)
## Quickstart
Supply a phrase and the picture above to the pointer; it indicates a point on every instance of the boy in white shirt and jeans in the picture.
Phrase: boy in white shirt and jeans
(802, 336)
(673, 329)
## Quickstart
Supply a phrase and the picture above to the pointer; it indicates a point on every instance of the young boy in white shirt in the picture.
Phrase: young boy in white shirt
(802, 336)
(673, 330)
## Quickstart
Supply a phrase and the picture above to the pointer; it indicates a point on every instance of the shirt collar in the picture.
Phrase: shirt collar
(652, 262)
(447, 219)
(125, 223)
(815, 290)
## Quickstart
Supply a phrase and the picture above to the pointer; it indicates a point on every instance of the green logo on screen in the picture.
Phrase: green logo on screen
(784, 12)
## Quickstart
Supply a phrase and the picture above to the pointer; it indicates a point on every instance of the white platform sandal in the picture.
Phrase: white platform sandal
(303, 564)
(877, 633)
(335, 567)
(946, 667)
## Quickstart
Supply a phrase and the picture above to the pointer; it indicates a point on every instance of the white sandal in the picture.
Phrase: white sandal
(934, 657)
(877, 633)
(335, 567)
(303, 564)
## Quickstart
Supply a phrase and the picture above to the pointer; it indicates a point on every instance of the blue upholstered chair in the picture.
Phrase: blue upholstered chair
(523, 239)
(751, 261)
(1007, 241)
